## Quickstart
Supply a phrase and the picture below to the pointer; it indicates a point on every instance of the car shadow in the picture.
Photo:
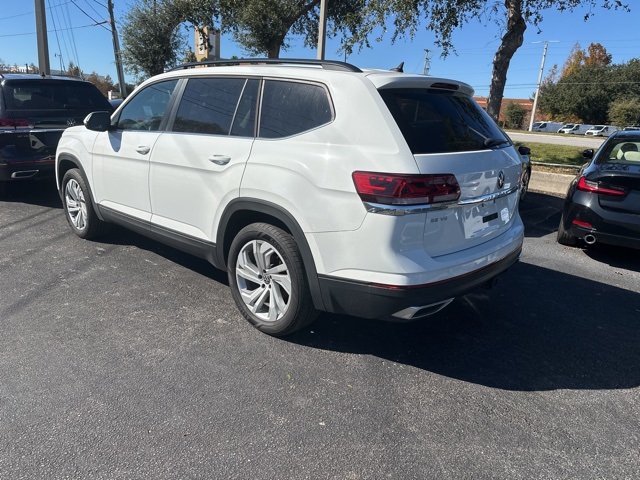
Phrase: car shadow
(42, 193)
(615, 256)
(121, 236)
(538, 330)
(540, 214)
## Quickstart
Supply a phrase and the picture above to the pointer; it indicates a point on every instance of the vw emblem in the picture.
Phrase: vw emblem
(500, 180)
(71, 122)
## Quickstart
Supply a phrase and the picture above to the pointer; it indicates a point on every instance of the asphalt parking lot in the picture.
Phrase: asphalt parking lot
(124, 358)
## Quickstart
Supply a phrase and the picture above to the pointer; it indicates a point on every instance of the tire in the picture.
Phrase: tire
(565, 238)
(524, 188)
(267, 280)
(78, 207)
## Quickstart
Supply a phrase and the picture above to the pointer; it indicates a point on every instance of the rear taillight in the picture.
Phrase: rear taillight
(389, 189)
(15, 123)
(595, 187)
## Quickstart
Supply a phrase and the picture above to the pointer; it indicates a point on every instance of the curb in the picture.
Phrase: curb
(551, 183)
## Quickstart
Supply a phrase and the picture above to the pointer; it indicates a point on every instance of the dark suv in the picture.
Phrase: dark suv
(34, 111)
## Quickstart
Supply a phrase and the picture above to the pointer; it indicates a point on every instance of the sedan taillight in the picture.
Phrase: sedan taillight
(595, 187)
(389, 189)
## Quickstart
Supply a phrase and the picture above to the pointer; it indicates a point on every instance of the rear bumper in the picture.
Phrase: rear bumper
(610, 227)
(383, 302)
(26, 168)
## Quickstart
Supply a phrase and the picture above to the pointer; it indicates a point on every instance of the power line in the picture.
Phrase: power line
(96, 21)
(48, 31)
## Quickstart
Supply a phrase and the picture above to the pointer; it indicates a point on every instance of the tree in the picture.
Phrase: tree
(262, 26)
(597, 55)
(514, 114)
(73, 70)
(588, 93)
(104, 84)
(625, 111)
(444, 17)
(151, 38)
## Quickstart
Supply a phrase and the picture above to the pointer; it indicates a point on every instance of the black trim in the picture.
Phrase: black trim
(273, 210)
(371, 301)
(186, 243)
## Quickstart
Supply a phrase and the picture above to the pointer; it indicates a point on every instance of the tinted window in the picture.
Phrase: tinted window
(208, 105)
(147, 108)
(435, 121)
(245, 119)
(52, 95)
(289, 108)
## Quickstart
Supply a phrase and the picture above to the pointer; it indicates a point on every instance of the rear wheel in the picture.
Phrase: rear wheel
(524, 187)
(267, 280)
(78, 208)
(564, 237)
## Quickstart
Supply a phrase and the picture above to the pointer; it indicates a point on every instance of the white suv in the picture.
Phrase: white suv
(316, 185)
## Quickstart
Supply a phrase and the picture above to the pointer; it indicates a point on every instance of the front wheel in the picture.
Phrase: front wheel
(78, 208)
(267, 280)
(524, 187)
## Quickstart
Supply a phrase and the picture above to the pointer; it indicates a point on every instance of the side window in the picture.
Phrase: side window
(146, 110)
(245, 120)
(208, 105)
(289, 108)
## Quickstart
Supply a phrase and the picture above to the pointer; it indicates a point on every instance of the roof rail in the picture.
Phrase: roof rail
(326, 64)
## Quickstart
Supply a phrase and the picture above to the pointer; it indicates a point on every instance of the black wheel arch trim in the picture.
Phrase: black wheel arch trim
(254, 205)
(70, 158)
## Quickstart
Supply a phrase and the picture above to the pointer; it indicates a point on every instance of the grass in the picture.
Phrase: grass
(551, 153)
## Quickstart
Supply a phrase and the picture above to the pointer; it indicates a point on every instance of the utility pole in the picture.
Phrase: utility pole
(427, 62)
(322, 29)
(116, 51)
(535, 98)
(41, 35)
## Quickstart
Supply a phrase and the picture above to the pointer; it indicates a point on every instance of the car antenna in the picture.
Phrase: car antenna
(399, 68)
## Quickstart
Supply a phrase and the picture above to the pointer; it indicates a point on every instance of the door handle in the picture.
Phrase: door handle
(220, 159)
(143, 149)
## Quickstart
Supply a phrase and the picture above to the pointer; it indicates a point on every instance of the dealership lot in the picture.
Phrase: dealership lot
(125, 358)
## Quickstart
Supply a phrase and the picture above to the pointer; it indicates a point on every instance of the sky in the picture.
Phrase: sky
(76, 34)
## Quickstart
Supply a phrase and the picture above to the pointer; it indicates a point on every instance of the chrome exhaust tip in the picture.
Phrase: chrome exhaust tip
(589, 239)
(413, 313)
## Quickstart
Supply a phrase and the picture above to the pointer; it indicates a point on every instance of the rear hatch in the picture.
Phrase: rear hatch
(37, 111)
(448, 133)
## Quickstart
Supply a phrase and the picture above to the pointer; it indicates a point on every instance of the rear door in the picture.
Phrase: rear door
(449, 133)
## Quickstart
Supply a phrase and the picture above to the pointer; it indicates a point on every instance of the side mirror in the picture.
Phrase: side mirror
(522, 150)
(98, 121)
(588, 153)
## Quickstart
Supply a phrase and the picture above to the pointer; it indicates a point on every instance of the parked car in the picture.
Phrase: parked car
(601, 130)
(545, 126)
(603, 201)
(566, 127)
(34, 111)
(631, 128)
(265, 168)
(579, 129)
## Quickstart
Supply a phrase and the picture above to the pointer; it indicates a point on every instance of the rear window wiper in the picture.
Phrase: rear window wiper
(494, 142)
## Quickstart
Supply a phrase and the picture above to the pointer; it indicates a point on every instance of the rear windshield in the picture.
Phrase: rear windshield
(44, 95)
(620, 150)
(433, 121)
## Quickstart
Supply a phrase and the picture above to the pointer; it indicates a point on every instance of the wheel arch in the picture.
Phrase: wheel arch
(66, 162)
(242, 212)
